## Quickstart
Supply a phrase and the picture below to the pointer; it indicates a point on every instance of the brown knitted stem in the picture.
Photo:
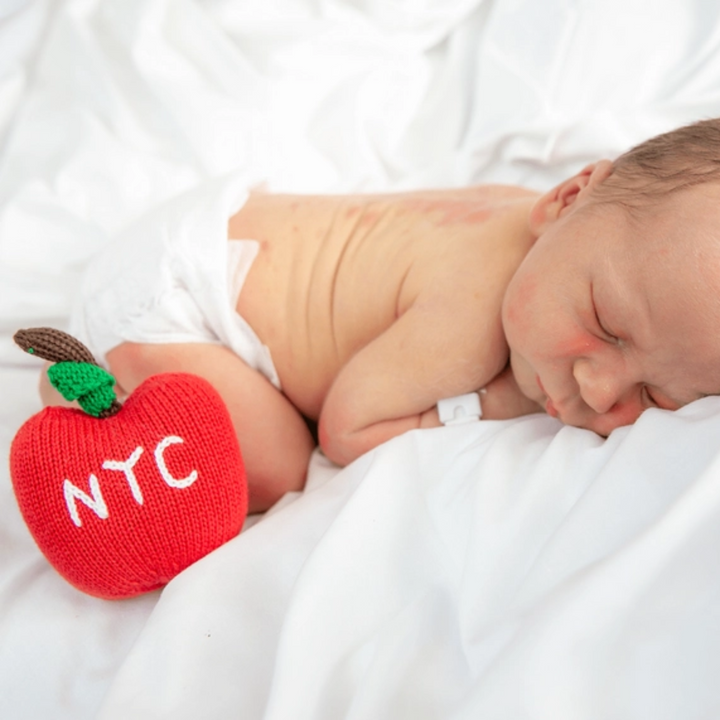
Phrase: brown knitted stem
(57, 346)
(53, 345)
(114, 409)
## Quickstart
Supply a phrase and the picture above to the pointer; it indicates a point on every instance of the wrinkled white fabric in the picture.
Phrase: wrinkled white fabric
(489, 570)
(173, 276)
(502, 570)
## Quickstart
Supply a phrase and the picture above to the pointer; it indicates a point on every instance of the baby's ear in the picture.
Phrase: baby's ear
(555, 203)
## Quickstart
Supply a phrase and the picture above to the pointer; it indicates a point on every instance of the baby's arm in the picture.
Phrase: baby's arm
(502, 399)
(49, 395)
(435, 350)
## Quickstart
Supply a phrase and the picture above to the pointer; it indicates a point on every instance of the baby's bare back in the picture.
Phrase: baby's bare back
(335, 273)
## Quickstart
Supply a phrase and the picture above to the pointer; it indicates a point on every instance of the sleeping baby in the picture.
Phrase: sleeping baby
(592, 302)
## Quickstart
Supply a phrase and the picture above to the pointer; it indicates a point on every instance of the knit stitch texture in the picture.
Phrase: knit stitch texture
(89, 384)
(121, 505)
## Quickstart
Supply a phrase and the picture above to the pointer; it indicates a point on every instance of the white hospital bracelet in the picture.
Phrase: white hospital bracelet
(459, 409)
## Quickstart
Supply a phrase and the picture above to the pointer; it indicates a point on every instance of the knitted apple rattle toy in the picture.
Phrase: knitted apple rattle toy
(121, 497)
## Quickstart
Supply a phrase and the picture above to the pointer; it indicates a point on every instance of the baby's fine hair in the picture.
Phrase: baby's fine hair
(665, 164)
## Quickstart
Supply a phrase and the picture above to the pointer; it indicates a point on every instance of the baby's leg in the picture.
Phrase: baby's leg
(274, 439)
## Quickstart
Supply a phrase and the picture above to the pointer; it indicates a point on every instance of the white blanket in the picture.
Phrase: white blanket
(495, 570)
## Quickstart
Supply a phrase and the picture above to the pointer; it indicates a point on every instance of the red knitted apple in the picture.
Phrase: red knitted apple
(121, 498)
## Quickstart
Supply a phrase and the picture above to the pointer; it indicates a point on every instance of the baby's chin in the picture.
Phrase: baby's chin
(526, 379)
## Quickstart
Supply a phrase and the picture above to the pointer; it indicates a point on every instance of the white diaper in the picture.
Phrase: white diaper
(173, 277)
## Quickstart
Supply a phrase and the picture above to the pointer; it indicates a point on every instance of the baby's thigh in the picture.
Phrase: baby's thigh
(274, 439)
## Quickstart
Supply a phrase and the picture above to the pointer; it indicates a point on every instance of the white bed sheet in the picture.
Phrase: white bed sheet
(513, 570)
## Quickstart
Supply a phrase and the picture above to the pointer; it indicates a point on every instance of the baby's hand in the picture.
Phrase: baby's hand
(502, 399)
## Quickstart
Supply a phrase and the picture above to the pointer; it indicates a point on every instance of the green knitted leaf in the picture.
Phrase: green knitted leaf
(89, 384)
(94, 402)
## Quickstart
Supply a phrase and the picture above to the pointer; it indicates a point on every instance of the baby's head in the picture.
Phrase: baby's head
(616, 308)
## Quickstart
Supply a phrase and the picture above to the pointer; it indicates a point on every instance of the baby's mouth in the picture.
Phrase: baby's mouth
(550, 409)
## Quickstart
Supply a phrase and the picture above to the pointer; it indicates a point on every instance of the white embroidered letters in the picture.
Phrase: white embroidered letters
(96, 503)
(127, 468)
(95, 500)
(162, 467)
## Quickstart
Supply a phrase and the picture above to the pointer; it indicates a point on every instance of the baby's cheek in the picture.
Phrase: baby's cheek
(520, 306)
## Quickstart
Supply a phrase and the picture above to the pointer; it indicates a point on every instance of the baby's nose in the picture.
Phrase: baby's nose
(601, 387)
